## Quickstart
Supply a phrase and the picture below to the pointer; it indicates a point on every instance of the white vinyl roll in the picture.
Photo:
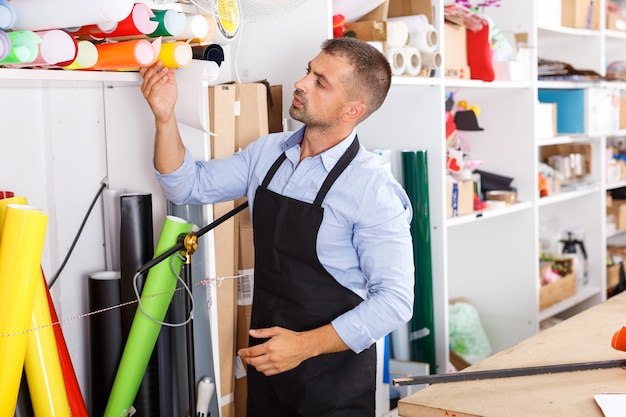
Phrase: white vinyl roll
(193, 82)
(431, 60)
(397, 34)
(425, 41)
(413, 60)
(397, 60)
(58, 14)
(415, 23)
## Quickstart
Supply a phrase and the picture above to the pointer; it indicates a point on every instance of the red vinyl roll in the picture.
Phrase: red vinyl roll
(6, 194)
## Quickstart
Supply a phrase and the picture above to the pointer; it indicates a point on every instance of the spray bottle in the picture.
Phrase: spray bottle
(575, 249)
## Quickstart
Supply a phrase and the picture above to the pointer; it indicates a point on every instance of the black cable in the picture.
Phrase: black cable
(103, 184)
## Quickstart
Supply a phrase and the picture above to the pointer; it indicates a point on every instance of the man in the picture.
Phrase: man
(333, 252)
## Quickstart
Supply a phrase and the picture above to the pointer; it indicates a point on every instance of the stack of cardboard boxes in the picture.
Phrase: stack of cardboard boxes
(239, 114)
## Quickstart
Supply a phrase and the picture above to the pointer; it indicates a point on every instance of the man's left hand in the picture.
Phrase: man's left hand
(284, 350)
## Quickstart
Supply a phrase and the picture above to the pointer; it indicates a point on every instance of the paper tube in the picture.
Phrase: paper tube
(397, 60)
(127, 54)
(86, 57)
(24, 47)
(7, 15)
(413, 60)
(156, 296)
(46, 14)
(193, 96)
(21, 247)
(42, 362)
(397, 34)
(175, 54)
(56, 48)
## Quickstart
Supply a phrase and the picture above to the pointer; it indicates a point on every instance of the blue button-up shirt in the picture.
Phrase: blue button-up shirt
(364, 240)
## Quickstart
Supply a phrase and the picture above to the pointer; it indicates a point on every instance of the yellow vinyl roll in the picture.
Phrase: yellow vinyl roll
(3, 207)
(176, 54)
(42, 364)
(21, 247)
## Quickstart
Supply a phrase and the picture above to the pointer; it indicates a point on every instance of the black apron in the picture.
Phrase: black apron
(294, 291)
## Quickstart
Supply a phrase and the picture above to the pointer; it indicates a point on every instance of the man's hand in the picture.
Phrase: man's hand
(160, 90)
(287, 349)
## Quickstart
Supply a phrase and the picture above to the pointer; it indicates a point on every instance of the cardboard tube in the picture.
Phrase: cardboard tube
(156, 296)
(21, 247)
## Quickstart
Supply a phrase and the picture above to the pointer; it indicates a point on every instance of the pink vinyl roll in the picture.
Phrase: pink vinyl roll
(57, 48)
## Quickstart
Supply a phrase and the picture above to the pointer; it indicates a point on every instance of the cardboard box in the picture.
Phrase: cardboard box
(568, 148)
(275, 115)
(369, 30)
(618, 210)
(590, 111)
(459, 198)
(612, 275)
(616, 21)
(622, 112)
(545, 120)
(581, 14)
(411, 7)
(455, 52)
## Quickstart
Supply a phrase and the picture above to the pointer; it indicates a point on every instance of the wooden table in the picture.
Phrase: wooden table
(585, 337)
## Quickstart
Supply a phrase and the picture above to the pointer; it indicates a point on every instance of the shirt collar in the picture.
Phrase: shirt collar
(329, 157)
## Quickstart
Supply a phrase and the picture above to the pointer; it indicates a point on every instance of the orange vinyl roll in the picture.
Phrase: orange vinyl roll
(21, 247)
(175, 54)
(127, 54)
(42, 363)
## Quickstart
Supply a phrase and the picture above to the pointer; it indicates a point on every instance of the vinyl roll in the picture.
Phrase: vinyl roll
(175, 54)
(7, 15)
(397, 34)
(4, 203)
(212, 52)
(193, 84)
(397, 60)
(111, 207)
(427, 40)
(24, 47)
(86, 57)
(422, 325)
(137, 23)
(197, 27)
(415, 23)
(413, 60)
(105, 336)
(6, 194)
(42, 362)
(137, 248)
(56, 48)
(129, 54)
(170, 23)
(46, 14)
(72, 387)
(21, 247)
(156, 296)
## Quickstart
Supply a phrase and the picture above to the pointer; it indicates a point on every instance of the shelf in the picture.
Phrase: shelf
(568, 195)
(457, 83)
(407, 80)
(568, 85)
(39, 78)
(560, 140)
(559, 31)
(580, 296)
(487, 214)
(615, 185)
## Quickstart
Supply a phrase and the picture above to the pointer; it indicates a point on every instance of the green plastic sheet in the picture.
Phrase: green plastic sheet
(422, 325)
(156, 296)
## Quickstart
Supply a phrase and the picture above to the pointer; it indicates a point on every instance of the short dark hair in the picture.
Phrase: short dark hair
(371, 75)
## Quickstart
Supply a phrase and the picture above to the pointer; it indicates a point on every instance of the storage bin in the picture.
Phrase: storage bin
(565, 287)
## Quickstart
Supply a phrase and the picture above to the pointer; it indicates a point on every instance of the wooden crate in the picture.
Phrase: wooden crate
(554, 292)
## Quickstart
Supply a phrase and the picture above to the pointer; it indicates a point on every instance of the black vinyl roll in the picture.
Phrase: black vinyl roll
(137, 248)
(105, 337)
(24, 406)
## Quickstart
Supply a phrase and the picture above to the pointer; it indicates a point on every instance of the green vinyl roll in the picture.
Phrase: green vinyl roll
(156, 296)
(422, 325)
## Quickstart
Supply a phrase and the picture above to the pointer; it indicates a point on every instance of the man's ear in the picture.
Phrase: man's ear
(354, 110)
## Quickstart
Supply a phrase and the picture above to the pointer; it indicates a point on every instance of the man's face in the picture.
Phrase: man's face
(320, 95)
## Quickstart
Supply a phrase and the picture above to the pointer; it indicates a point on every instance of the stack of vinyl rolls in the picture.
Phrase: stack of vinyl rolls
(412, 45)
(107, 34)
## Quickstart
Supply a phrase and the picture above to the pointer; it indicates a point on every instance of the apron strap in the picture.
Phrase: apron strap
(273, 169)
(339, 167)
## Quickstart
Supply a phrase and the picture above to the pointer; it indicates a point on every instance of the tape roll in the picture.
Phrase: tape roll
(413, 60)
(397, 60)
(427, 40)
(397, 34)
